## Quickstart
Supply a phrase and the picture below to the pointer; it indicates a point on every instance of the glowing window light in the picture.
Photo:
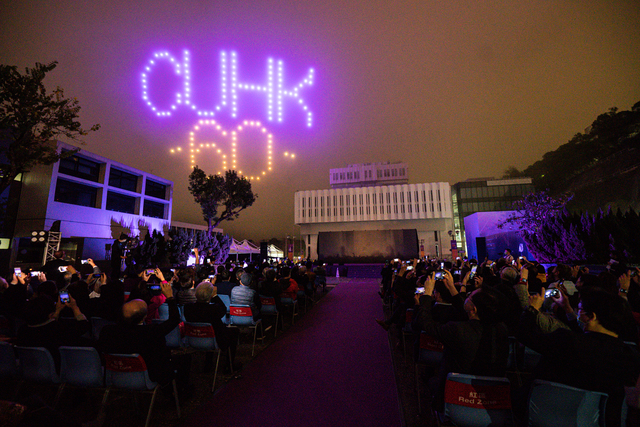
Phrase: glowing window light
(230, 87)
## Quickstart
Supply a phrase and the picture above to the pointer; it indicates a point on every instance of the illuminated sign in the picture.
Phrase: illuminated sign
(274, 89)
(276, 95)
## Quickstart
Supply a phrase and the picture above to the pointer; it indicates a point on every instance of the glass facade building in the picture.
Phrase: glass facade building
(484, 195)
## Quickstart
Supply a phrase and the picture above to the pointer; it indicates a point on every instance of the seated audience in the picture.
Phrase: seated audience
(243, 294)
(478, 346)
(132, 335)
(595, 360)
(209, 308)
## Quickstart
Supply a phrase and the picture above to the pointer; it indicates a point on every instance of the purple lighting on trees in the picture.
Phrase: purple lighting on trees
(275, 90)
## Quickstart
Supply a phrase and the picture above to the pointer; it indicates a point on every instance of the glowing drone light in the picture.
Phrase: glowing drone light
(216, 150)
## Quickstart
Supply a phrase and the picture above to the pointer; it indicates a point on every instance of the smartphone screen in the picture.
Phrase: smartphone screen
(34, 273)
(64, 297)
(17, 271)
(419, 290)
(62, 269)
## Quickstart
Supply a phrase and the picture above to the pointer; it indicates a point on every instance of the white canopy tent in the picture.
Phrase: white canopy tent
(246, 247)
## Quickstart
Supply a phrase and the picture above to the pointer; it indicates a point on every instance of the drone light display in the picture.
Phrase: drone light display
(226, 145)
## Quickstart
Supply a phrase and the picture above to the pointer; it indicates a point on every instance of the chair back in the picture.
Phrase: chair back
(81, 367)
(8, 361)
(475, 401)
(430, 350)
(226, 299)
(127, 371)
(200, 336)
(286, 299)
(163, 311)
(408, 319)
(36, 364)
(268, 305)
(554, 404)
(97, 323)
(530, 359)
(241, 315)
(173, 338)
(5, 326)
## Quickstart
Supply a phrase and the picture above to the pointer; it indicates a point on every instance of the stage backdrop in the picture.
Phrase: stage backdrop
(367, 246)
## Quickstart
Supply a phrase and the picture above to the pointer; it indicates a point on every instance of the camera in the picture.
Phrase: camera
(64, 297)
(552, 293)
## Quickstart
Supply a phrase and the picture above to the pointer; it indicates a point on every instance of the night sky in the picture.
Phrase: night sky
(457, 89)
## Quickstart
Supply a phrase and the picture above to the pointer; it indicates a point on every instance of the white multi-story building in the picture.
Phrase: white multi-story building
(94, 198)
(425, 208)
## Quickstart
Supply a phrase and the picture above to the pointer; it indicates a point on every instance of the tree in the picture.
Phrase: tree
(32, 119)
(221, 198)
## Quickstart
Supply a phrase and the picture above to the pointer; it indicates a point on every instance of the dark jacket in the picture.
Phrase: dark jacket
(146, 340)
(212, 313)
(590, 361)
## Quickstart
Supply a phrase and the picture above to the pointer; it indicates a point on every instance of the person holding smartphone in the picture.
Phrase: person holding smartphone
(43, 329)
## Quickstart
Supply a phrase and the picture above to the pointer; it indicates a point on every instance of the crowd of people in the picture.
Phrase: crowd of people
(53, 306)
(584, 326)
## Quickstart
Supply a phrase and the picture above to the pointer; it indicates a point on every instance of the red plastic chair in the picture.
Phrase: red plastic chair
(201, 336)
(129, 372)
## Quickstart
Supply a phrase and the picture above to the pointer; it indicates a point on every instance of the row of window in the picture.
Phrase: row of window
(498, 205)
(495, 191)
(75, 193)
(403, 202)
(90, 170)
(368, 174)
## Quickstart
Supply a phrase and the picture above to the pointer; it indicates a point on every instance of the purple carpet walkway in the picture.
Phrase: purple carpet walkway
(332, 368)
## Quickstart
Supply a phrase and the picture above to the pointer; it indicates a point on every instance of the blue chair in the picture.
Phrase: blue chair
(530, 359)
(8, 361)
(97, 323)
(201, 336)
(475, 401)
(321, 281)
(407, 329)
(269, 309)
(554, 404)
(242, 316)
(173, 338)
(129, 372)
(287, 301)
(37, 365)
(163, 311)
(5, 326)
(82, 367)
(429, 354)
(9, 369)
(226, 299)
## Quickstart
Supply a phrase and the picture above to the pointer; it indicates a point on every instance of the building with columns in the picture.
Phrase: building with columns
(372, 212)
